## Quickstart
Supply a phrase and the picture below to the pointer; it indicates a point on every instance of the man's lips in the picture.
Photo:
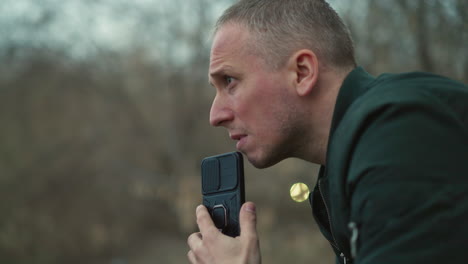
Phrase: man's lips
(237, 136)
(241, 140)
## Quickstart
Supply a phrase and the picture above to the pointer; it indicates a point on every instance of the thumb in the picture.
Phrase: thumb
(248, 220)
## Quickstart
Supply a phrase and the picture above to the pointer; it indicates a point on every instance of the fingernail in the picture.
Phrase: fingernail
(250, 207)
(198, 208)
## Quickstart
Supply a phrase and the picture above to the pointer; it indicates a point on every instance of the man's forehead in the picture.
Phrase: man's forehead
(229, 39)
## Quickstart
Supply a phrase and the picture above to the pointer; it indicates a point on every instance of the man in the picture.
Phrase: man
(394, 149)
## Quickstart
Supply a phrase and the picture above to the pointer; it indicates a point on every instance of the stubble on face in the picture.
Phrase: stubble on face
(266, 109)
(289, 132)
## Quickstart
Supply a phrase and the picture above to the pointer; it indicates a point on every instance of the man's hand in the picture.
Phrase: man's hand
(210, 246)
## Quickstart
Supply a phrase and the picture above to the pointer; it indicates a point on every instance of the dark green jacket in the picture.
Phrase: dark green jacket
(395, 187)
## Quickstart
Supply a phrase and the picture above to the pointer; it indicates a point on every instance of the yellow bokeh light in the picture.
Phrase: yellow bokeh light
(299, 192)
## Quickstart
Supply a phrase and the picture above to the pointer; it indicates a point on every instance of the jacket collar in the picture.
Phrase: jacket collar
(354, 85)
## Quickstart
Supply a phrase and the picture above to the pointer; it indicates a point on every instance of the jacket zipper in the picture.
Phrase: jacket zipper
(344, 258)
(334, 243)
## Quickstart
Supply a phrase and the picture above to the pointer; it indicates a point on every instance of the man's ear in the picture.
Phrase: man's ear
(304, 65)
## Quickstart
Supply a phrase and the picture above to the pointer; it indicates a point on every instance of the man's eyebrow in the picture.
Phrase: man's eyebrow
(220, 71)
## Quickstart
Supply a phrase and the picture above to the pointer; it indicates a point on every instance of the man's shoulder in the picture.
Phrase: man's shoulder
(400, 104)
(412, 88)
(412, 83)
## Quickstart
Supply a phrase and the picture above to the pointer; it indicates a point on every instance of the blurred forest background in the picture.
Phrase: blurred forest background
(104, 120)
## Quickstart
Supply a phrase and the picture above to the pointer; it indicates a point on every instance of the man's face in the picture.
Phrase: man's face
(253, 102)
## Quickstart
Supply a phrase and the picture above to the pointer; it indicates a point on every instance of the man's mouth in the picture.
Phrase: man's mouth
(241, 139)
(237, 136)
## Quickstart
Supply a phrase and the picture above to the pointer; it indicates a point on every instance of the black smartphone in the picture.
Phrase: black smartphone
(223, 190)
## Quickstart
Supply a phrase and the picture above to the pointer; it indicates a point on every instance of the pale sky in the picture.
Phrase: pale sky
(84, 27)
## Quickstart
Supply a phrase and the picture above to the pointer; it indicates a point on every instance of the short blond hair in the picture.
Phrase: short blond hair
(281, 27)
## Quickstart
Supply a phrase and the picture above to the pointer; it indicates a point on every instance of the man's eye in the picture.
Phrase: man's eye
(228, 79)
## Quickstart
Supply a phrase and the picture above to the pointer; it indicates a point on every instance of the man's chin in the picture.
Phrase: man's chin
(260, 162)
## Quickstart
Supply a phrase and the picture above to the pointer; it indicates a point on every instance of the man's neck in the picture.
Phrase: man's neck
(323, 105)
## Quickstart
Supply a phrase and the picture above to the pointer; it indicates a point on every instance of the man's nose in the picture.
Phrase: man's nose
(220, 113)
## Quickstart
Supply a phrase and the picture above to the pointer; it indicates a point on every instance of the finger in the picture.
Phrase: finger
(191, 257)
(194, 241)
(248, 220)
(204, 221)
